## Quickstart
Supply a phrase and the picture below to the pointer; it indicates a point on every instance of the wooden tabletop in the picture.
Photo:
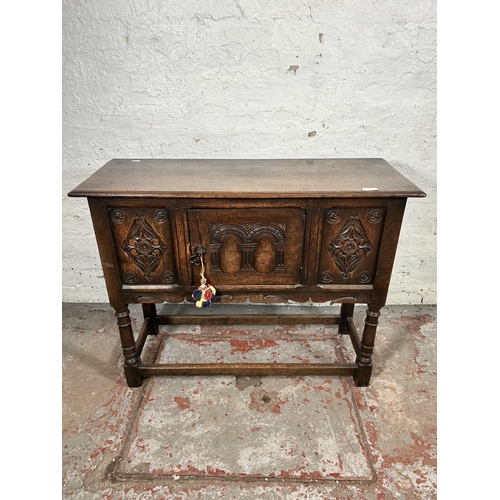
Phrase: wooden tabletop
(223, 178)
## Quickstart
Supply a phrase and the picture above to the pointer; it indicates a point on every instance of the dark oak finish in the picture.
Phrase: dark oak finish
(267, 230)
(249, 369)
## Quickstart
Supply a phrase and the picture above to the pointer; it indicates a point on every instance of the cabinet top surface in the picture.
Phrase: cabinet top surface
(223, 178)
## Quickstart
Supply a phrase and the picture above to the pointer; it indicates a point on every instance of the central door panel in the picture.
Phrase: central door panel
(249, 247)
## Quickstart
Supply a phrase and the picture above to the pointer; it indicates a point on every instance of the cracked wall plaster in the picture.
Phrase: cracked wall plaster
(221, 79)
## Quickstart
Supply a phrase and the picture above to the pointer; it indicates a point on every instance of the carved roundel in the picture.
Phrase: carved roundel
(129, 277)
(364, 277)
(375, 215)
(327, 277)
(168, 277)
(160, 215)
(118, 216)
(333, 216)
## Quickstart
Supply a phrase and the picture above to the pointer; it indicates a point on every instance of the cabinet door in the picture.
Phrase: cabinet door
(143, 244)
(249, 246)
(350, 245)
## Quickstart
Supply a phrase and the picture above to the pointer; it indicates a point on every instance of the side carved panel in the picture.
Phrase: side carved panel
(350, 246)
(143, 244)
(351, 241)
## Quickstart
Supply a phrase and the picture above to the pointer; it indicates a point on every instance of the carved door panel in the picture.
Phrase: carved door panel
(350, 245)
(249, 247)
(143, 244)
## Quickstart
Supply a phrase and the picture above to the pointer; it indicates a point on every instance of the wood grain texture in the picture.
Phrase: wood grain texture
(296, 178)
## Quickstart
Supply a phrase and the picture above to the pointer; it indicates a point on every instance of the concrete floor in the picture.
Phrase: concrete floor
(385, 434)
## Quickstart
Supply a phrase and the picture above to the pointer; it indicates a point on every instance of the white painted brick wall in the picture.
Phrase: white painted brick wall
(243, 78)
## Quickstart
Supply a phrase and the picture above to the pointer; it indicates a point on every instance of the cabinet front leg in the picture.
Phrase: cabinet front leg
(128, 347)
(364, 358)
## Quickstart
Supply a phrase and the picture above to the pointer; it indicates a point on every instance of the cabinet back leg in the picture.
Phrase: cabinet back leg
(346, 311)
(149, 312)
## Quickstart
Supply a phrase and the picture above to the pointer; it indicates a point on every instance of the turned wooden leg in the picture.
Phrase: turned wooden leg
(128, 347)
(346, 311)
(149, 312)
(364, 358)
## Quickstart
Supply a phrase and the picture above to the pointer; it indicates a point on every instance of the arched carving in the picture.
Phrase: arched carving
(247, 234)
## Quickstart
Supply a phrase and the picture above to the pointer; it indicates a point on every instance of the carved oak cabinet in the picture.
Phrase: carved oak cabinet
(265, 230)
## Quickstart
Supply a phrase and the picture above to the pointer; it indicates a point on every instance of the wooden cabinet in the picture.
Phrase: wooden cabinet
(266, 230)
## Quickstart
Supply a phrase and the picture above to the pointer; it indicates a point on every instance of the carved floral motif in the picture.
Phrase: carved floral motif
(144, 246)
(350, 247)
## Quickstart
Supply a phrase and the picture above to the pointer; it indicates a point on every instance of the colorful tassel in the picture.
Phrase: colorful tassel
(204, 295)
